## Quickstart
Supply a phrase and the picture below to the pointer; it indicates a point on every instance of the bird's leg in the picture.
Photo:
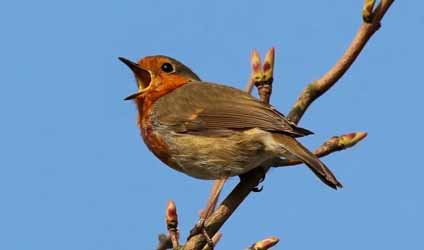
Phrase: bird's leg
(213, 198)
(210, 207)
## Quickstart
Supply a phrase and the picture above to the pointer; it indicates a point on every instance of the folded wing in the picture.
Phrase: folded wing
(213, 109)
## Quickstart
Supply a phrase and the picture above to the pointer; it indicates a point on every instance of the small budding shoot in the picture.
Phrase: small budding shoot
(268, 68)
(264, 244)
(171, 215)
(367, 10)
(255, 61)
(351, 139)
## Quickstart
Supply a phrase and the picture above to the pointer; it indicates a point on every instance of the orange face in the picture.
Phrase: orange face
(158, 75)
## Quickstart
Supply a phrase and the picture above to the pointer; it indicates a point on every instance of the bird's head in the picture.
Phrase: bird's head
(158, 75)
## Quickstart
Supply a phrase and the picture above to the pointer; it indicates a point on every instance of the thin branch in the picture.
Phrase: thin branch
(319, 87)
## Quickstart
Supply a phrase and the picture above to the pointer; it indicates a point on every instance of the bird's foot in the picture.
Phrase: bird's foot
(259, 171)
(199, 228)
(257, 189)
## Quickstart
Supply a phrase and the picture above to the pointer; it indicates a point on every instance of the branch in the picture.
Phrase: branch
(320, 86)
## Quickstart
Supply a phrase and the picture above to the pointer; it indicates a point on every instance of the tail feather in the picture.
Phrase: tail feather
(318, 167)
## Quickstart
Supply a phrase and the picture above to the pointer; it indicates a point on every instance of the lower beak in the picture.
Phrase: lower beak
(133, 96)
(142, 76)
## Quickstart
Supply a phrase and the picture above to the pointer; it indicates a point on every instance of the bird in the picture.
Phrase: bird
(212, 131)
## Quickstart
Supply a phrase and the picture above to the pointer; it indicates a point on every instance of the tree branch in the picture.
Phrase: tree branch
(319, 87)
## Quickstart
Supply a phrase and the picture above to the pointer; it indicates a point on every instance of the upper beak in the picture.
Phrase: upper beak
(143, 77)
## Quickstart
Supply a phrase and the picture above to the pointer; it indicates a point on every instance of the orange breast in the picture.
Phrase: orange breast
(153, 141)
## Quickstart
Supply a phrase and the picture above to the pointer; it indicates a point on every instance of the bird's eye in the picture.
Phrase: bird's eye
(167, 67)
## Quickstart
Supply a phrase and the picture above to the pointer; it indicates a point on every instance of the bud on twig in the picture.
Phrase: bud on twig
(367, 11)
(349, 140)
(268, 67)
(171, 215)
(265, 244)
(255, 61)
(172, 223)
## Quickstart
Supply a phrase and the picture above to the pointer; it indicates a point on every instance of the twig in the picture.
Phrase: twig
(319, 87)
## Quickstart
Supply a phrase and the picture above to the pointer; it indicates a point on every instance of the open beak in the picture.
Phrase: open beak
(142, 76)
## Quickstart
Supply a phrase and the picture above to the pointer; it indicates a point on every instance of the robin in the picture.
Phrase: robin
(212, 131)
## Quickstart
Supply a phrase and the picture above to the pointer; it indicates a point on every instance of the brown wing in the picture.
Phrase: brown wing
(207, 108)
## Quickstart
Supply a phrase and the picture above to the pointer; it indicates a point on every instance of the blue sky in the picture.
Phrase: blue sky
(74, 173)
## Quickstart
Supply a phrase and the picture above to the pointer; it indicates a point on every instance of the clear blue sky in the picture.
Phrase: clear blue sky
(74, 173)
